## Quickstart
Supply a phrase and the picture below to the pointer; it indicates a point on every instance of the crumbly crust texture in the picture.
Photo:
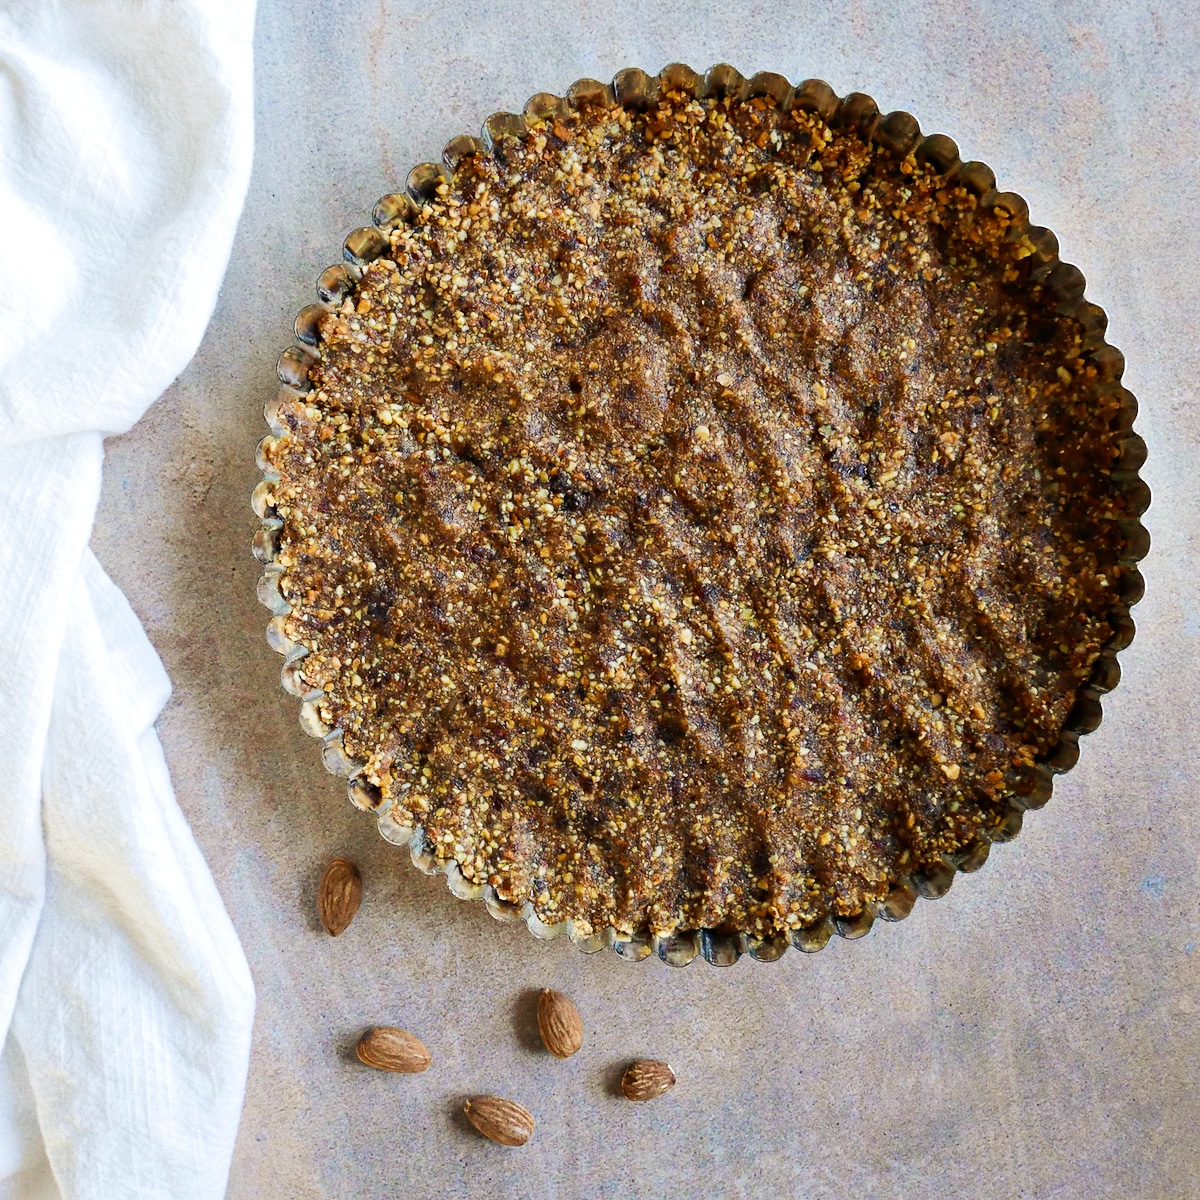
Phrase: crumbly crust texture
(699, 519)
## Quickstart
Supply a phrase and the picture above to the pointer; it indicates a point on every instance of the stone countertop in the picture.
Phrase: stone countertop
(1031, 1035)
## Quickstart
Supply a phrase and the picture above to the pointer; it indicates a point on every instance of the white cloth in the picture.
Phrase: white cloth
(125, 1001)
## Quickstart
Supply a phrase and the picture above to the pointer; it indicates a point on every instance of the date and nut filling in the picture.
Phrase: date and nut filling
(699, 520)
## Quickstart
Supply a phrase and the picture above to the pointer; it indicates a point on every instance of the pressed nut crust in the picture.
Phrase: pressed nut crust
(699, 518)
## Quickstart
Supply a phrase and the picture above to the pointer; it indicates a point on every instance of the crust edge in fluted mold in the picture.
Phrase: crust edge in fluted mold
(896, 132)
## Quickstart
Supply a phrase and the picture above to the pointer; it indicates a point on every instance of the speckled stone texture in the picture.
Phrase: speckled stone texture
(1034, 1033)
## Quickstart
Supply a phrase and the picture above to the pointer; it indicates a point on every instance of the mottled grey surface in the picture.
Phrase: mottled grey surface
(1031, 1035)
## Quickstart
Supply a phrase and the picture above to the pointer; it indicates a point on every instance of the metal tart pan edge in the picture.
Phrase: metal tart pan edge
(897, 132)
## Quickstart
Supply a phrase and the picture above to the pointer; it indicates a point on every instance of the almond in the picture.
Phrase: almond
(559, 1023)
(500, 1119)
(387, 1048)
(647, 1078)
(339, 895)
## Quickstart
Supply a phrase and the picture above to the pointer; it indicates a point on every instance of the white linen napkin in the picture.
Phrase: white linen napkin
(125, 1001)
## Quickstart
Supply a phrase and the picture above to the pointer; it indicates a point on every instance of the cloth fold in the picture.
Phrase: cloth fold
(125, 1001)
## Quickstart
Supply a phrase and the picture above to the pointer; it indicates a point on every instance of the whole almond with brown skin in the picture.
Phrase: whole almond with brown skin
(387, 1048)
(559, 1023)
(500, 1119)
(339, 895)
(647, 1078)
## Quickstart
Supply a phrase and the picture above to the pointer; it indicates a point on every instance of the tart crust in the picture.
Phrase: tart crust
(711, 508)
